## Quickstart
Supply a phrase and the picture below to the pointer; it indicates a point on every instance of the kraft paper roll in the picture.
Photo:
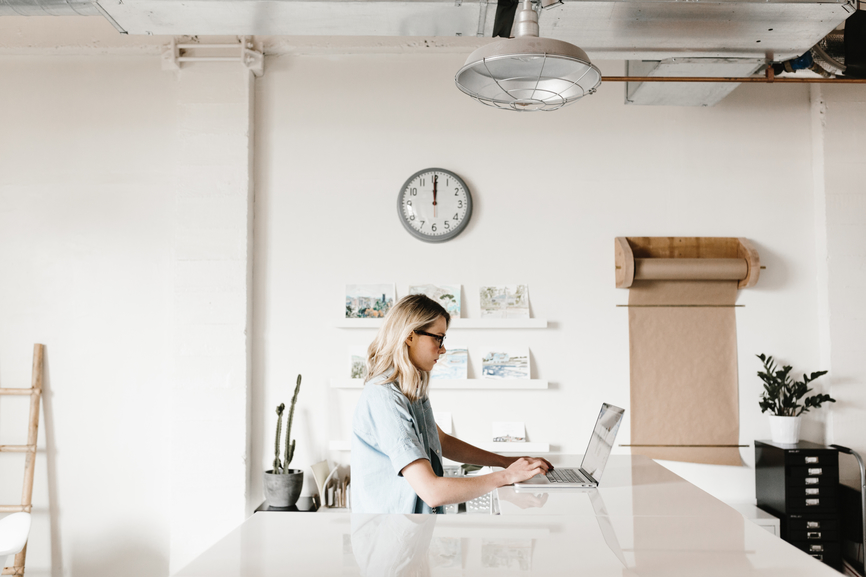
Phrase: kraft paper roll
(690, 268)
(684, 371)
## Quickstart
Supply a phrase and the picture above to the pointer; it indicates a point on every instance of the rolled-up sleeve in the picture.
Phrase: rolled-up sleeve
(403, 441)
(394, 427)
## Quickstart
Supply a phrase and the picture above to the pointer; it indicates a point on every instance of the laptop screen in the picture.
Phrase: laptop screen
(601, 442)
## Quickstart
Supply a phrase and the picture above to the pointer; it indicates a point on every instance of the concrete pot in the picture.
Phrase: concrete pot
(784, 430)
(283, 490)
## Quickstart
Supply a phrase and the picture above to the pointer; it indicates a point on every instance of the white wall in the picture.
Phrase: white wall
(86, 221)
(338, 135)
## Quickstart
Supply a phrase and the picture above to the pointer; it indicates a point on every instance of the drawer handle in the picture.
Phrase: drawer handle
(816, 471)
(816, 548)
(813, 491)
(813, 535)
(818, 557)
(812, 502)
(811, 460)
(812, 480)
(813, 524)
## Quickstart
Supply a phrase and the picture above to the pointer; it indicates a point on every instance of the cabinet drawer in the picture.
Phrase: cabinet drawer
(825, 548)
(812, 524)
(812, 458)
(819, 471)
(811, 503)
(814, 535)
(813, 481)
(825, 490)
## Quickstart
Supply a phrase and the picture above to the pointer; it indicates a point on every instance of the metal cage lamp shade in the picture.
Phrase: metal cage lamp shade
(528, 73)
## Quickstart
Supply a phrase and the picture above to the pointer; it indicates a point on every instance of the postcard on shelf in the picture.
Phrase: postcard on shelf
(369, 301)
(358, 362)
(443, 419)
(447, 295)
(505, 302)
(509, 432)
(499, 364)
(453, 364)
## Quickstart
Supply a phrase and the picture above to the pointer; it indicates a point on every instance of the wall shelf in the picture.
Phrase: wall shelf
(503, 448)
(455, 324)
(482, 384)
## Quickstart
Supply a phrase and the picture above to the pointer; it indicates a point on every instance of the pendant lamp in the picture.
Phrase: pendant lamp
(527, 73)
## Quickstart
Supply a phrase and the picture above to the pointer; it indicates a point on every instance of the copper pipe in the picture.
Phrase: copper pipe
(747, 79)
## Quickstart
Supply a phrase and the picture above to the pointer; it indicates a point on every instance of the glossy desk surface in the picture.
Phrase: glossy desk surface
(642, 521)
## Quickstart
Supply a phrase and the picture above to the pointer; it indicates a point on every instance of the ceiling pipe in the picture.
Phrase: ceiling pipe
(747, 79)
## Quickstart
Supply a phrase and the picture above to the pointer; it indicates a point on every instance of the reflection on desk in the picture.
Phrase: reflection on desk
(631, 485)
(303, 505)
(618, 530)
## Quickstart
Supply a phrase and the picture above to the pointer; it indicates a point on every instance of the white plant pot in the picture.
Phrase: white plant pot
(785, 430)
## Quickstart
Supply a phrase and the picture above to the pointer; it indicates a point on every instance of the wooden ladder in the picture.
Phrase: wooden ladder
(35, 393)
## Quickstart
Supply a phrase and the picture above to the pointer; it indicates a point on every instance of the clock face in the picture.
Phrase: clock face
(434, 205)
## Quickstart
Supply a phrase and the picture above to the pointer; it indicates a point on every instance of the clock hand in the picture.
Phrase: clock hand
(435, 182)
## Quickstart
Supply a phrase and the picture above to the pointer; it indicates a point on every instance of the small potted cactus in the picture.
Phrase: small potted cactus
(283, 485)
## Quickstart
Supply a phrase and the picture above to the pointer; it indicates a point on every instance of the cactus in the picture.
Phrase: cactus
(280, 410)
(290, 446)
(283, 468)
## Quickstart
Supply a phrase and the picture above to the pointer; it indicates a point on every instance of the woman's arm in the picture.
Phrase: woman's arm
(457, 450)
(437, 491)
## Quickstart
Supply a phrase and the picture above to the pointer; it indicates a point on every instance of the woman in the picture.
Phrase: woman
(397, 448)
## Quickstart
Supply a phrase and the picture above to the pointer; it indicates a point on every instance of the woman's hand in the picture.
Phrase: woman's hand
(525, 468)
(435, 490)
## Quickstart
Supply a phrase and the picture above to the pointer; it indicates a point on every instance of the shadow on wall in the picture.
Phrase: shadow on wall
(846, 390)
(51, 467)
(812, 428)
(119, 560)
(131, 560)
(773, 262)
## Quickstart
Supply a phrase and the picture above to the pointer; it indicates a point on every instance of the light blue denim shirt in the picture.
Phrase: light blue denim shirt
(388, 433)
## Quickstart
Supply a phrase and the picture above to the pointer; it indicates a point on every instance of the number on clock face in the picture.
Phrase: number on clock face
(435, 205)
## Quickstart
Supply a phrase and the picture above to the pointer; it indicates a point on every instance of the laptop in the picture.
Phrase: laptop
(592, 466)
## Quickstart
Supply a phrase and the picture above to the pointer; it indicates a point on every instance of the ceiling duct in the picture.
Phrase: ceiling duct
(686, 94)
(829, 53)
(49, 8)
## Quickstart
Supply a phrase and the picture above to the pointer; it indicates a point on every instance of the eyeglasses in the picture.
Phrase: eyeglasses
(440, 338)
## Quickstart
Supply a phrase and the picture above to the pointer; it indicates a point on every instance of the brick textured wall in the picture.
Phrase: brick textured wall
(841, 121)
(212, 272)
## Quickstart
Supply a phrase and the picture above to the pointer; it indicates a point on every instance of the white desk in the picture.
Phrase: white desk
(644, 521)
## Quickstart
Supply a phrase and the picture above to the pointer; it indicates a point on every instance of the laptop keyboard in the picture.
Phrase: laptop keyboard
(565, 476)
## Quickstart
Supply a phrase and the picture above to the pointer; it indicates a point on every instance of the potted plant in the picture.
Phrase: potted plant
(781, 398)
(283, 485)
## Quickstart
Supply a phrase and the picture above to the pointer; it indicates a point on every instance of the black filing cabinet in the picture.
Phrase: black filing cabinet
(800, 485)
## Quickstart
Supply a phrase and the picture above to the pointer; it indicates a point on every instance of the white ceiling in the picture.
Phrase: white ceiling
(612, 29)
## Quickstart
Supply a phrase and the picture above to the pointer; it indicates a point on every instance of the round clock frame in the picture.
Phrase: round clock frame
(422, 190)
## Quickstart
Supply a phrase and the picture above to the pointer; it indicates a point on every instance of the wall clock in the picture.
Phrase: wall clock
(434, 205)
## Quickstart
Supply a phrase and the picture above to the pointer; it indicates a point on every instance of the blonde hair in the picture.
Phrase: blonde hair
(389, 349)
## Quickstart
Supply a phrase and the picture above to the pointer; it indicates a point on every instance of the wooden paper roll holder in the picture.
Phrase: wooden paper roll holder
(631, 251)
